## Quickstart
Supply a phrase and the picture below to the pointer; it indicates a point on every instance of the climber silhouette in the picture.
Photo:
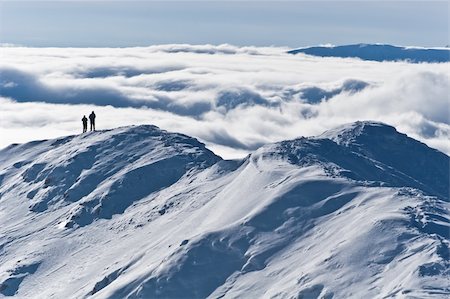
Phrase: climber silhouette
(92, 120)
(84, 120)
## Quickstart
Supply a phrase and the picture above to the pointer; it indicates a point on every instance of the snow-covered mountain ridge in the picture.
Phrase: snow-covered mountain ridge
(137, 212)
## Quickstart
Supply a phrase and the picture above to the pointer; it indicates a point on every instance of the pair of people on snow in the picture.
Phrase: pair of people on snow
(91, 120)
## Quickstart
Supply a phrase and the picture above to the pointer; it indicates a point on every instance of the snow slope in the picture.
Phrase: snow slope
(379, 52)
(361, 211)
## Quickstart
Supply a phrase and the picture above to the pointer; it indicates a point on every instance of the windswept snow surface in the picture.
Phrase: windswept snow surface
(360, 211)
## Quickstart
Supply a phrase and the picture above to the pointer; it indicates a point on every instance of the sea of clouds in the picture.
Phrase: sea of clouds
(234, 99)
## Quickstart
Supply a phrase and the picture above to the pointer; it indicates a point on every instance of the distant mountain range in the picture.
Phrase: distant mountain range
(379, 52)
(361, 211)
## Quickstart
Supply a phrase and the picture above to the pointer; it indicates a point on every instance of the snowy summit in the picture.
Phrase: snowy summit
(360, 211)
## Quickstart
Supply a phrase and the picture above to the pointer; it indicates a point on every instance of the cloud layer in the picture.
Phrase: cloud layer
(233, 98)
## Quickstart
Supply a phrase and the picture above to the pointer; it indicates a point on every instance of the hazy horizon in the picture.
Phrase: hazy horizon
(241, 23)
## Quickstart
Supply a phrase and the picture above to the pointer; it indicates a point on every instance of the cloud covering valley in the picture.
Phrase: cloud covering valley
(234, 99)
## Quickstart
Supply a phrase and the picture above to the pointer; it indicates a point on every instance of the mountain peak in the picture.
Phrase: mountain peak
(98, 168)
(369, 151)
(350, 133)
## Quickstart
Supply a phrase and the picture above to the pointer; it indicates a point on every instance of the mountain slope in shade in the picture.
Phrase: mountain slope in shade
(137, 212)
(379, 52)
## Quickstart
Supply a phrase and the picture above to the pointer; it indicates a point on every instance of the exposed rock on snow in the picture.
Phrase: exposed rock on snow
(138, 212)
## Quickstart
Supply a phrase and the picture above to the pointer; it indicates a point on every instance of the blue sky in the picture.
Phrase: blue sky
(280, 23)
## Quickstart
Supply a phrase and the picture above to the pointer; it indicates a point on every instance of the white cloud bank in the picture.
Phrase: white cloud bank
(232, 98)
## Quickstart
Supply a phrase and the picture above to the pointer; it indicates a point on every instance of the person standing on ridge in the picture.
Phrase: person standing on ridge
(84, 120)
(92, 120)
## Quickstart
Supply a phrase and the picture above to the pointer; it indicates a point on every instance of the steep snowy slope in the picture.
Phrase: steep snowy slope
(361, 211)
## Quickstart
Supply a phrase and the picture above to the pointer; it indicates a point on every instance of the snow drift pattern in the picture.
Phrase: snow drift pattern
(138, 212)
